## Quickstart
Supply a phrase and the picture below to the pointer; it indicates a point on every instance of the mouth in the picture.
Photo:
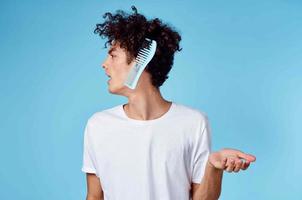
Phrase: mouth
(108, 76)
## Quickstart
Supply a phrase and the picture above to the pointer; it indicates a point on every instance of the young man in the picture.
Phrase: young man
(150, 148)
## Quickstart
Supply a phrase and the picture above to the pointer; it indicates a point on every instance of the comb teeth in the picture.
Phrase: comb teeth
(142, 59)
(143, 55)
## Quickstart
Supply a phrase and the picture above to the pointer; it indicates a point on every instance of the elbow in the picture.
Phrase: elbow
(208, 196)
(94, 198)
(213, 196)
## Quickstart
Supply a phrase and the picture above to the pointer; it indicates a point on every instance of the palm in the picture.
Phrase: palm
(231, 160)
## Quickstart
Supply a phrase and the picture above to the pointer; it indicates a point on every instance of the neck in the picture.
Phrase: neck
(146, 104)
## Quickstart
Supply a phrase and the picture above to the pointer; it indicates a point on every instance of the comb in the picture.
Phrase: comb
(144, 56)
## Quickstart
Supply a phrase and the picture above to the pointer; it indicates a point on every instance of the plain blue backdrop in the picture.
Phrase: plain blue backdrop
(241, 64)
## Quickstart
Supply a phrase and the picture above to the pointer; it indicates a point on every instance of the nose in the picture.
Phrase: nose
(104, 65)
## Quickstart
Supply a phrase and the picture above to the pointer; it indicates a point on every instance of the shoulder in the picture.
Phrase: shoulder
(196, 120)
(192, 113)
(103, 115)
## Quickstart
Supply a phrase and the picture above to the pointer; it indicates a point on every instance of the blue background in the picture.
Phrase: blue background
(241, 64)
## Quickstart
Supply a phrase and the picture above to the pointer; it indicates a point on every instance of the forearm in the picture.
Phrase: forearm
(210, 187)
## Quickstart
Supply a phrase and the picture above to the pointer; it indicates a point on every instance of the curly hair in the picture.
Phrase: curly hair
(130, 32)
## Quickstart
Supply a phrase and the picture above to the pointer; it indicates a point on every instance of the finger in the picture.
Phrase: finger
(238, 165)
(245, 165)
(224, 162)
(230, 165)
(248, 157)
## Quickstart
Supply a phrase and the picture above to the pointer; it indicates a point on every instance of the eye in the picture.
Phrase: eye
(113, 55)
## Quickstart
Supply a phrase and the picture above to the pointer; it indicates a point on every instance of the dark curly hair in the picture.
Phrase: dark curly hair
(130, 32)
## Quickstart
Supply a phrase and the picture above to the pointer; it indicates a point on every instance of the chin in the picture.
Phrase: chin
(112, 90)
(117, 89)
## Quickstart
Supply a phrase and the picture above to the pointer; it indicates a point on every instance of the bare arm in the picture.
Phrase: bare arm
(210, 186)
(94, 188)
(231, 160)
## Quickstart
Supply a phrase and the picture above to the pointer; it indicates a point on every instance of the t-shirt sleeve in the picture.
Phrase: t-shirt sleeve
(201, 150)
(88, 165)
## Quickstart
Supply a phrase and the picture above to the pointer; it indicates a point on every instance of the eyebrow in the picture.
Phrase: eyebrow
(111, 50)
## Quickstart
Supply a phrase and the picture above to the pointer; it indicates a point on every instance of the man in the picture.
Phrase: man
(150, 148)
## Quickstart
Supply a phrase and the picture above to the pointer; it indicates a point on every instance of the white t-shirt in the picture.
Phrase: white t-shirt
(147, 159)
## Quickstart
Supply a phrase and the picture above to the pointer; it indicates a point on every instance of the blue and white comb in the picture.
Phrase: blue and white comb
(141, 61)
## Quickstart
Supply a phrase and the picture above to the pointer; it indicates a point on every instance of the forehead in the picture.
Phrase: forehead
(121, 52)
(115, 47)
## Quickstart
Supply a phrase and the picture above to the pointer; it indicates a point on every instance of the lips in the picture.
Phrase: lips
(108, 77)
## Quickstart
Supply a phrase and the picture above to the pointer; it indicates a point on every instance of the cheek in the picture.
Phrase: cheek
(119, 75)
(124, 69)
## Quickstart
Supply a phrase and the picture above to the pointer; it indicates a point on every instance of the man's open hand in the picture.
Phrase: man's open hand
(231, 160)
